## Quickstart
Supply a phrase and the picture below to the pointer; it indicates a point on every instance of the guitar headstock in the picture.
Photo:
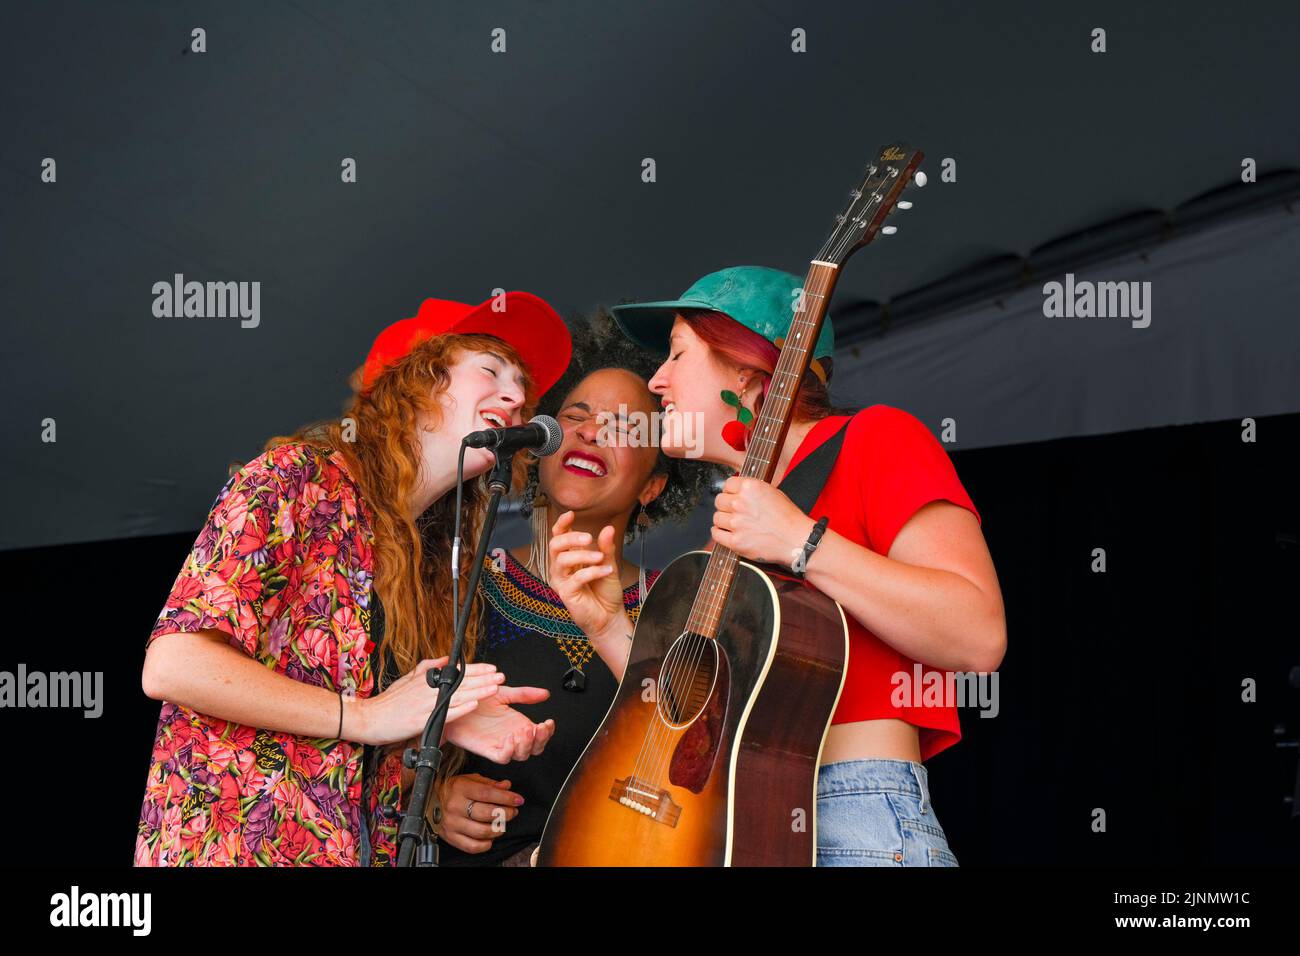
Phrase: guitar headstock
(872, 200)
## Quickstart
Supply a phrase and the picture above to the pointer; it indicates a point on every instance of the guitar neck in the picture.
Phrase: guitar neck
(770, 428)
(863, 217)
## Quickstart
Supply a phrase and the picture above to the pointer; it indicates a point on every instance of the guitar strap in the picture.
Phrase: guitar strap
(805, 481)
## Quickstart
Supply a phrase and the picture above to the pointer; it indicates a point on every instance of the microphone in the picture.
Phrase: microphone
(542, 436)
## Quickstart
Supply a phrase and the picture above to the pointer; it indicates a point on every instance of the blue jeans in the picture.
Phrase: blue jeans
(878, 813)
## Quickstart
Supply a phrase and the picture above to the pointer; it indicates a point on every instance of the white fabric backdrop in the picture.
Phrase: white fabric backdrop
(1223, 343)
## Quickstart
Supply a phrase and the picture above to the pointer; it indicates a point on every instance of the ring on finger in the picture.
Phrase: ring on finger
(469, 809)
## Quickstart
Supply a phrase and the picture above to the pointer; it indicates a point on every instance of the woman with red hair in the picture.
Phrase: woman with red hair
(280, 735)
(900, 548)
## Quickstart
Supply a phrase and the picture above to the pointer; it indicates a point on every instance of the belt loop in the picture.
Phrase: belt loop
(920, 782)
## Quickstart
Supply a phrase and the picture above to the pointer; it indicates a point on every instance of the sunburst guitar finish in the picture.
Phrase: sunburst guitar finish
(708, 754)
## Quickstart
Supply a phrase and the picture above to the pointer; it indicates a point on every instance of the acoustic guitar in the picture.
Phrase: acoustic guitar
(709, 753)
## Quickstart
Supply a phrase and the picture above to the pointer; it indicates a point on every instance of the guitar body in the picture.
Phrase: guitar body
(708, 755)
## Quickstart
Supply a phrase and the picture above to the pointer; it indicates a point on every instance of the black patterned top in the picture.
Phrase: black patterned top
(528, 633)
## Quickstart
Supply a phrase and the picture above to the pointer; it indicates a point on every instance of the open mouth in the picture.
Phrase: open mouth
(493, 419)
(588, 466)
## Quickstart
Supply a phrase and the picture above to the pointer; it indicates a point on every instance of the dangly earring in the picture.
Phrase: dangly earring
(736, 433)
(643, 527)
(538, 553)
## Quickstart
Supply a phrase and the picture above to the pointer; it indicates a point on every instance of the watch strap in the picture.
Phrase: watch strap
(801, 555)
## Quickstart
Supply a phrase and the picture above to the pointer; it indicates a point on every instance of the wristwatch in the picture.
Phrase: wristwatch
(799, 556)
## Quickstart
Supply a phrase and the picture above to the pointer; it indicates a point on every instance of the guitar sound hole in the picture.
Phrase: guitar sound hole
(689, 672)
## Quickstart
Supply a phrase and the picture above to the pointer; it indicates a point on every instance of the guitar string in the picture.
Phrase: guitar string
(690, 649)
(713, 606)
(693, 647)
(693, 643)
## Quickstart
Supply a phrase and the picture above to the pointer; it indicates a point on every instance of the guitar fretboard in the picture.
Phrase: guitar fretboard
(768, 434)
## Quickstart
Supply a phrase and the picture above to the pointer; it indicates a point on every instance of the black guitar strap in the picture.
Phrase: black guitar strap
(806, 480)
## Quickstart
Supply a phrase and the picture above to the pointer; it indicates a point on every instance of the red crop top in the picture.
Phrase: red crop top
(889, 467)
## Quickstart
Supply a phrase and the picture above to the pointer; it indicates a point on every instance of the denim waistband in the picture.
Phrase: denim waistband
(858, 776)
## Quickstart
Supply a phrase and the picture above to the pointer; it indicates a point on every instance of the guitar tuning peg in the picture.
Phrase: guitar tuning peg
(904, 204)
(888, 230)
(919, 178)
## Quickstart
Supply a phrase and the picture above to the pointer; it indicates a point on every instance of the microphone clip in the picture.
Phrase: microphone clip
(502, 476)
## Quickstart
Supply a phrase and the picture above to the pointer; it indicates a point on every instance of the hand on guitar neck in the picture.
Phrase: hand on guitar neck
(758, 521)
(587, 581)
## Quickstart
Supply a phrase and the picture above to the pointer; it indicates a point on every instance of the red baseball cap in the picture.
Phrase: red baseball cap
(524, 320)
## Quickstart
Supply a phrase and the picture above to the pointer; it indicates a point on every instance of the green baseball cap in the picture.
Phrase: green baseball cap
(759, 298)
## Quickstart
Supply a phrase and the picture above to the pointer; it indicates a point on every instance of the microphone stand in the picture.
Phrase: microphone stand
(413, 836)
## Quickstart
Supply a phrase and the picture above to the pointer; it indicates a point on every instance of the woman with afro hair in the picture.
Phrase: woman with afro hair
(608, 474)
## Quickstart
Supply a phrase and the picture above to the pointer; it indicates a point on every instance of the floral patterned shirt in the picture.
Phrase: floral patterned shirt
(283, 566)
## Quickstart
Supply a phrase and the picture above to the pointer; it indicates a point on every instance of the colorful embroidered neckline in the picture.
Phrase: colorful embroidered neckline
(527, 602)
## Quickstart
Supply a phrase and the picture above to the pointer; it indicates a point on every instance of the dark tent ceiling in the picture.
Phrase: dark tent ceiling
(479, 170)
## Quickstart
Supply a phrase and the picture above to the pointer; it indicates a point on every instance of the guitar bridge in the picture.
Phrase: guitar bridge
(653, 802)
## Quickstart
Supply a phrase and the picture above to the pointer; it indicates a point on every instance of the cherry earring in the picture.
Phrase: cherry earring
(736, 433)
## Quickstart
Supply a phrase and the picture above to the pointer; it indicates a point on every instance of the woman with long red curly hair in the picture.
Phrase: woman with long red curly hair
(280, 734)
(898, 545)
